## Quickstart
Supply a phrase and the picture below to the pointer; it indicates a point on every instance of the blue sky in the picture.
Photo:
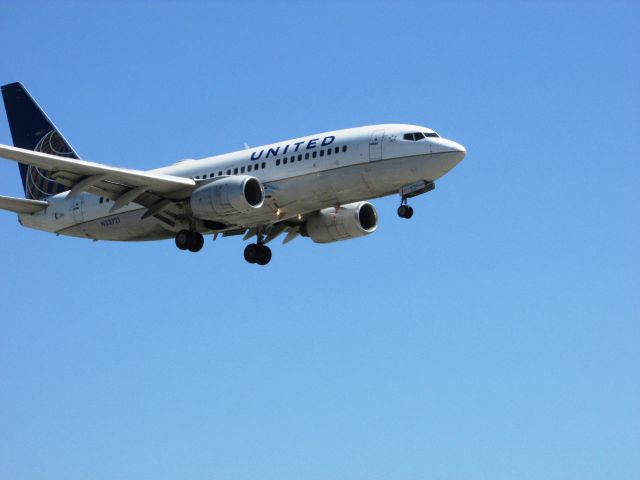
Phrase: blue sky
(495, 335)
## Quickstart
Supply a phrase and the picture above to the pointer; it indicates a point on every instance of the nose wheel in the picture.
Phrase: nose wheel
(188, 240)
(404, 210)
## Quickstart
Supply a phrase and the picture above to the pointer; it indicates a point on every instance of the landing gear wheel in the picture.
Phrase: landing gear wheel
(188, 240)
(183, 239)
(197, 242)
(256, 253)
(405, 211)
(265, 255)
(409, 212)
(252, 253)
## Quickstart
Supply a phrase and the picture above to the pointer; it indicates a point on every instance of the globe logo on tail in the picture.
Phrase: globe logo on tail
(41, 183)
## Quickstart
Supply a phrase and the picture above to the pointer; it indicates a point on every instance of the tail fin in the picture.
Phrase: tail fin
(31, 129)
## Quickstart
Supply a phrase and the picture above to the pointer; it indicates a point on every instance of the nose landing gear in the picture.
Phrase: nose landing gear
(189, 240)
(404, 210)
(412, 190)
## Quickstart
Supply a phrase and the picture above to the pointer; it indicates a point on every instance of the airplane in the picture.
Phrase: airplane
(316, 186)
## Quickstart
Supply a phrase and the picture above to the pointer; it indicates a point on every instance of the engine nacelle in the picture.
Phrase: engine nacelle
(227, 197)
(348, 221)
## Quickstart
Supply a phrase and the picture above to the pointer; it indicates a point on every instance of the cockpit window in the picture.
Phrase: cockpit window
(414, 137)
(431, 135)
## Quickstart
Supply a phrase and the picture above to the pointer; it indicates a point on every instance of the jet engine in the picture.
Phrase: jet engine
(343, 223)
(227, 197)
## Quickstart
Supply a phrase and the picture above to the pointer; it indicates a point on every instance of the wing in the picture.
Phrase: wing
(161, 194)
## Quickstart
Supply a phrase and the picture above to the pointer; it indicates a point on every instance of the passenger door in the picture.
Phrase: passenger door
(375, 145)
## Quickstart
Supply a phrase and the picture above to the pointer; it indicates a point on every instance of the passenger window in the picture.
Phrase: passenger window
(235, 171)
(337, 150)
(219, 173)
(264, 164)
(249, 168)
(285, 160)
(322, 153)
(344, 148)
(328, 151)
(314, 154)
(277, 162)
(306, 156)
(256, 166)
(299, 157)
(101, 199)
(229, 172)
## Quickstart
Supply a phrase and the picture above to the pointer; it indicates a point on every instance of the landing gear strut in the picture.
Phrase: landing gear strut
(189, 240)
(257, 252)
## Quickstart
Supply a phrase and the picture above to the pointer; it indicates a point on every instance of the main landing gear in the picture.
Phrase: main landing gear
(189, 240)
(258, 252)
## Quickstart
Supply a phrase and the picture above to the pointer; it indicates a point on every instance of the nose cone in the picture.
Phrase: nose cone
(460, 148)
(449, 146)
(459, 151)
(446, 154)
(452, 151)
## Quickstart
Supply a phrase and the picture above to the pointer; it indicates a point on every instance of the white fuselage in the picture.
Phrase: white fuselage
(300, 176)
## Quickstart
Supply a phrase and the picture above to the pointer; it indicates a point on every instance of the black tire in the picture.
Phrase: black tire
(183, 239)
(402, 211)
(197, 242)
(252, 253)
(265, 255)
(409, 212)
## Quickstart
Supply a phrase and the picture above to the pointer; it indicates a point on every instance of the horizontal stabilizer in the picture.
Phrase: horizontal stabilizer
(21, 205)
